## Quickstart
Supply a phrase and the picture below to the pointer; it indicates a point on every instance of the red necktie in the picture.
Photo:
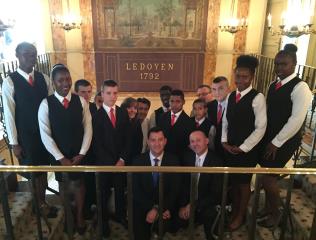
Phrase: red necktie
(238, 96)
(112, 117)
(31, 81)
(278, 85)
(219, 113)
(66, 103)
(197, 124)
(173, 119)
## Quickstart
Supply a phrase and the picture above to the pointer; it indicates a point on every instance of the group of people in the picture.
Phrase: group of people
(47, 124)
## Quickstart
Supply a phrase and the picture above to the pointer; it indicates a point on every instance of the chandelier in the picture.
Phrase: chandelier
(6, 25)
(294, 27)
(233, 24)
(67, 22)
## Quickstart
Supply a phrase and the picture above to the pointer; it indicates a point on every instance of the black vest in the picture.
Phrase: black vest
(279, 109)
(158, 113)
(240, 117)
(66, 125)
(27, 100)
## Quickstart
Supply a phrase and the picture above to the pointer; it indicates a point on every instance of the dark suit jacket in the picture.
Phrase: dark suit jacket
(177, 135)
(212, 115)
(204, 127)
(109, 143)
(209, 186)
(144, 193)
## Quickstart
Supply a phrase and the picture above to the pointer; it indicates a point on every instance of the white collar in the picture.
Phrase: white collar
(61, 98)
(152, 157)
(287, 79)
(165, 109)
(177, 114)
(24, 74)
(201, 157)
(244, 92)
(108, 109)
(201, 121)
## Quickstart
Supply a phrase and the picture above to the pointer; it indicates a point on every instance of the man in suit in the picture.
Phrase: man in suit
(22, 92)
(164, 92)
(216, 109)
(146, 186)
(209, 186)
(111, 147)
(177, 125)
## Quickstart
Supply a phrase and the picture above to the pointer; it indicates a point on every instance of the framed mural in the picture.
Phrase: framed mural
(150, 23)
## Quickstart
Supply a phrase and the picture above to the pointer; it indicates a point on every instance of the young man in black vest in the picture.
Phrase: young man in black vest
(244, 124)
(216, 109)
(111, 139)
(66, 131)
(22, 93)
(165, 92)
(287, 103)
(177, 125)
(209, 186)
(146, 186)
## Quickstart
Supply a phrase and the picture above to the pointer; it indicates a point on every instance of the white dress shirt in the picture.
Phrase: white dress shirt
(46, 132)
(108, 109)
(223, 103)
(176, 115)
(260, 112)
(200, 121)
(152, 157)
(301, 97)
(9, 102)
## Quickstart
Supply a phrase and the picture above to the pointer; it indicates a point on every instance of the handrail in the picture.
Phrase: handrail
(138, 169)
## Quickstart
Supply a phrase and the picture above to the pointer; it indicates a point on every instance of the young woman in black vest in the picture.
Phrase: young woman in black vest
(66, 131)
(244, 124)
(287, 102)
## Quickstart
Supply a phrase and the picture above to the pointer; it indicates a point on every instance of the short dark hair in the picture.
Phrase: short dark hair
(127, 102)
(165, 88)
(144, 101)
(177, 92)
(81, 82)
(23, 45)
(59, 67)
(199, 101)
(109, 83)
(247, 61)
(155, 130)
(220, 79)
(204, 85)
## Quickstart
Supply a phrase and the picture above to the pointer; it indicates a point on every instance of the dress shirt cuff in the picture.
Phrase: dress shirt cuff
(244, 148)
(13, 142)
(58, 156)
(277, 143)
(83, 152)
(224, 139)
(121, 159)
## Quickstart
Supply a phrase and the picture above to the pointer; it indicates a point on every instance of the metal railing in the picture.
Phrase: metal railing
(131, 170)
(265, 74)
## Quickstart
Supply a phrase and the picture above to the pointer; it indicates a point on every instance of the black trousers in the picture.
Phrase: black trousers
(143, 229)
(116, 180)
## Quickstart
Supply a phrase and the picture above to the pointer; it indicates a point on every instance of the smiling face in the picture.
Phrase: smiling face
(142, 110)
(132, 110)
(62, 82)
(284, 66)
(199, 111)
(157, 143)
(198, 142)
(27, 57)
(243, 78)
(176, 103)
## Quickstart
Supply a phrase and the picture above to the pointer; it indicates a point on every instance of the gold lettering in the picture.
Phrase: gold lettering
(156, 66)
(163, 67)
(134, 66)
(170, 66)
(149, 66)
(127, 67)
(142, 66)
